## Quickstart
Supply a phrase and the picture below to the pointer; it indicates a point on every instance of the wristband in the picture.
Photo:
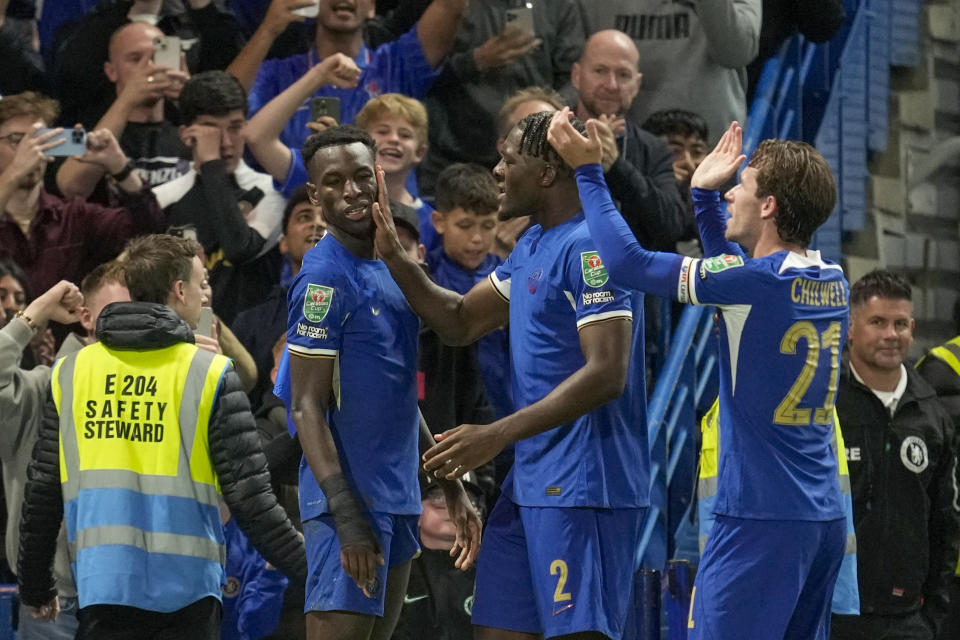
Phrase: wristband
(30, 323)
(350, 521)
(124, 173)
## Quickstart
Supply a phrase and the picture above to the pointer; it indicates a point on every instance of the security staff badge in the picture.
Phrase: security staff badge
(316, 302)
(913, 454)
(594, 273)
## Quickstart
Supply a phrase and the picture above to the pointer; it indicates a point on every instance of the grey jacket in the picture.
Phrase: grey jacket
(714, 39)
(22, 397)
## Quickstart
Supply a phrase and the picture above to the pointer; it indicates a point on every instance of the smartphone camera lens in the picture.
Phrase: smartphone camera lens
(76, 136)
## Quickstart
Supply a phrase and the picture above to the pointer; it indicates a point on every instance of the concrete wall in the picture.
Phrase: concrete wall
(914, 186)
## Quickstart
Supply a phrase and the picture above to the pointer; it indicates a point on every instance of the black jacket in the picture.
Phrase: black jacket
(643, 185)
(234, 446)
(945, 381)
(904, 497)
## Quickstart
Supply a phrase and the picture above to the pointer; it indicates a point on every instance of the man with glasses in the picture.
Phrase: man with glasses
(54, 239)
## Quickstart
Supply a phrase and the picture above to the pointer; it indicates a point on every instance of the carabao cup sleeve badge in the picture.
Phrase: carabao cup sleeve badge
(316, 302)
(594, 273)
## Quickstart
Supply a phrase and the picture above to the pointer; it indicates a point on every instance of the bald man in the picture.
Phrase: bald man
(136, 116)
(692, 54)
(638, 166)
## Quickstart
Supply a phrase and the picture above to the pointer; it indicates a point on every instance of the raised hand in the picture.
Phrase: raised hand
(575, 150)
(31, 153)
(204, 140)
(722, 163)
(338, 70)
(616, 124)
(104, 150)
(607, 132)
(506, 47)
(280, 14)
(385, 241)
(147, 85)
(322, 123)
(60, 303)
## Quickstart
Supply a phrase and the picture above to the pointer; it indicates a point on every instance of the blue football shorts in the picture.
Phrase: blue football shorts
(557, 570)
(329, 588)
(767, 579)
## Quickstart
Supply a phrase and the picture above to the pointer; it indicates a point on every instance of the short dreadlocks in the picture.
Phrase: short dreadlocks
(533, 137)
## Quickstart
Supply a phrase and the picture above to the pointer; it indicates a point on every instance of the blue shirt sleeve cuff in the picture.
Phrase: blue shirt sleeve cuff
(594, 171)
(705, 196)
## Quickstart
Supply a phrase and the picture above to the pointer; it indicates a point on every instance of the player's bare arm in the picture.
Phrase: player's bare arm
(461, 510)
(606, 348)
(312, 388)
(457, 319)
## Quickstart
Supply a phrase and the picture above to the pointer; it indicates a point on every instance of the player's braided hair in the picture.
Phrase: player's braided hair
(533, 138)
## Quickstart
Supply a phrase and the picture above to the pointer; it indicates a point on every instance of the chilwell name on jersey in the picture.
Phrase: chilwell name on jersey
(816, 293)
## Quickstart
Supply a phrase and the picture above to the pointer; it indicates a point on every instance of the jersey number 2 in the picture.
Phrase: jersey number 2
(788, 411)
(560, 567)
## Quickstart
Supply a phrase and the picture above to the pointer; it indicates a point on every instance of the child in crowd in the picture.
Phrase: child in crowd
(398, 124)
(466, 222)
(686, 133)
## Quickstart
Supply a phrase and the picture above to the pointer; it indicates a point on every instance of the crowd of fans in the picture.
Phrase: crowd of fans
(105, 137)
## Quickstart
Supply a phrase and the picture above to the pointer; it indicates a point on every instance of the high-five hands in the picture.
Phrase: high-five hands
(722, 163)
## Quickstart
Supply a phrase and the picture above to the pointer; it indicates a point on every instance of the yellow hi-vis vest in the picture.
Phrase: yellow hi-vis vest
(949, 353)
(141, 496)
(846, 594)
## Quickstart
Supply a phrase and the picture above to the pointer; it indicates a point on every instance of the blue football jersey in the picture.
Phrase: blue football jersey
(348, 308)
(556, 284)
(783, 323)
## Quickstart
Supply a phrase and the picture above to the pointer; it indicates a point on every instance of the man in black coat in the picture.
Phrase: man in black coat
(900, 447)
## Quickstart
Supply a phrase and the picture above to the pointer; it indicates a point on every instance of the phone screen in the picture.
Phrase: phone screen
(521, 18)
(205, 324)
(325, 107)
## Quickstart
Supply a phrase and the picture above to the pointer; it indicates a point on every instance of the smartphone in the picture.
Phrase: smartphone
(205, 325)
(166, 52)
(522, 18)
(325, 107)
(75, 142)
(308, 12)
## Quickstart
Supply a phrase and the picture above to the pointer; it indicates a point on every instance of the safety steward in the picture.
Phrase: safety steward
(144, 432)
(941, 368)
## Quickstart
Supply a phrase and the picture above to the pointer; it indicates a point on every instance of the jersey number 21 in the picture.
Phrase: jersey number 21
(789, 412)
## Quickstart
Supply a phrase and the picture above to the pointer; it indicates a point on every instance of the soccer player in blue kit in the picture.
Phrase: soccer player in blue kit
(558, 556)
(351, 377)
(770, 565)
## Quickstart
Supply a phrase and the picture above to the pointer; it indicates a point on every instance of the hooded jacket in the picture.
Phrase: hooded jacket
(234, 447)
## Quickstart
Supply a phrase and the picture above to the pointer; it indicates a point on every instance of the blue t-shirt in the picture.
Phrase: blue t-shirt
(344, 307)
(429, 237)
(395, 67)
(600, 459)
(253, 593)
(783, 323)
(493, 349)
